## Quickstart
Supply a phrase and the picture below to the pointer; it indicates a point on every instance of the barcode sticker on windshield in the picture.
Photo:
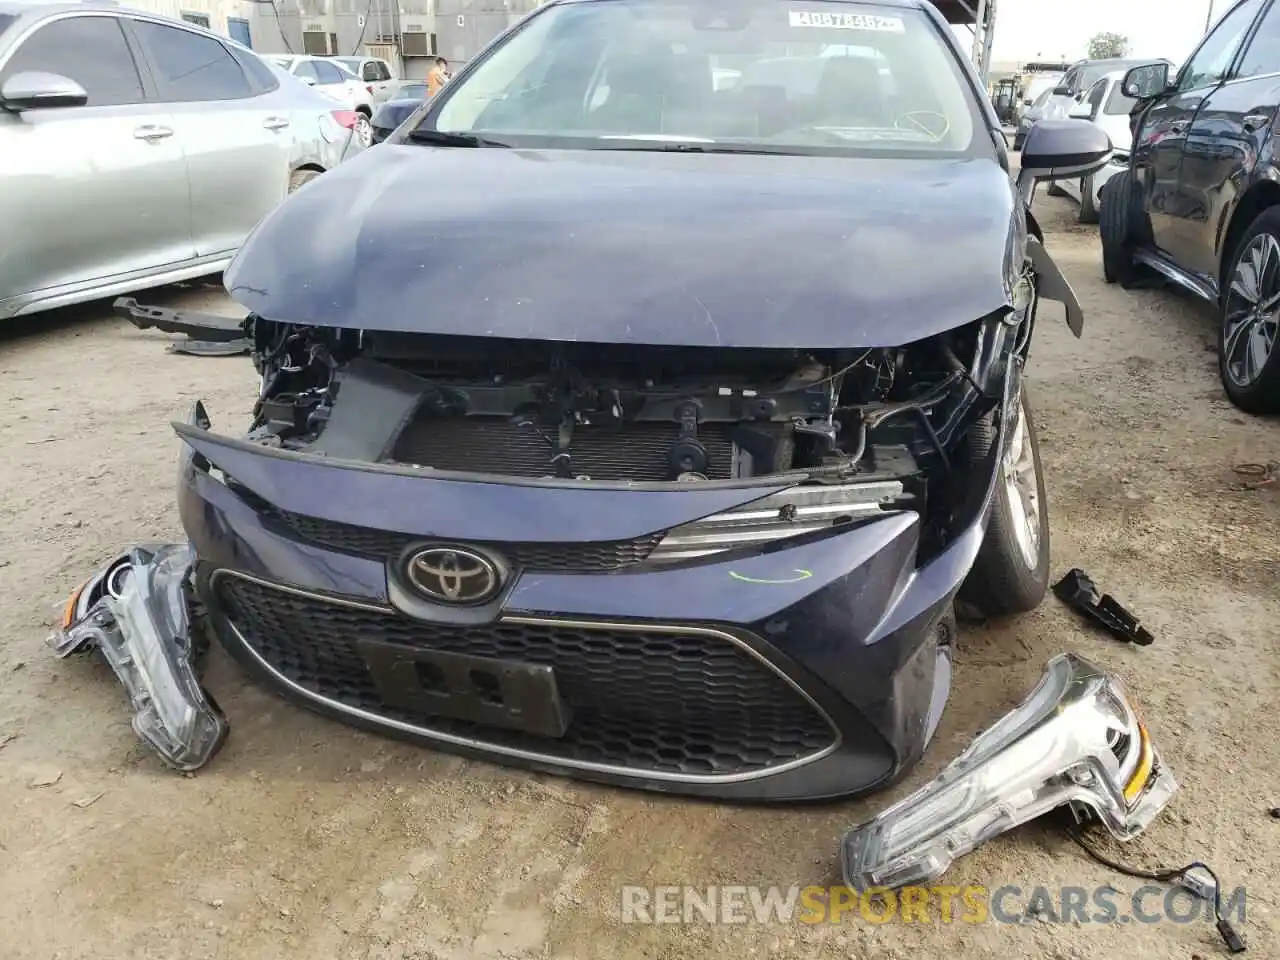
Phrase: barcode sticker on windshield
(847, 21)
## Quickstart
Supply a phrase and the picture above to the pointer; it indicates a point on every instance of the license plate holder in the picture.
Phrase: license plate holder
(498, 693)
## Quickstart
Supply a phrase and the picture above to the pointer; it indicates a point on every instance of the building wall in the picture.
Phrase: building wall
(217, 12)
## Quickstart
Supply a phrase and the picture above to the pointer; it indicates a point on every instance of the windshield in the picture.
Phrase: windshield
(788, 77)
(5, 20)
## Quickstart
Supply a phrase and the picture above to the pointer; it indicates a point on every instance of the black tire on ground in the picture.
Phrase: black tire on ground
(1088, 209)
(1018, 141)
(1115, 229)
(1261, 394)
(301, 177)
(1054, 190)
(1001, 582)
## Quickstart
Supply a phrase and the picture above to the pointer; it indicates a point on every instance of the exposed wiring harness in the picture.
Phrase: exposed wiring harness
(1182, 876)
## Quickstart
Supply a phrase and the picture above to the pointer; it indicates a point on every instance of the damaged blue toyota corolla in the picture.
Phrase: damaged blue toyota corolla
(640, 409)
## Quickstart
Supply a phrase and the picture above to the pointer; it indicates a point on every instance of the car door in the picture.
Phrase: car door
(336, 82)
(92, 192)
(1227, 136)
(376, 75)
(236, 144)
(1162, 136)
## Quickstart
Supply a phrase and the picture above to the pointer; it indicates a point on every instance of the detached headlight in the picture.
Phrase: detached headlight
(1076, 740)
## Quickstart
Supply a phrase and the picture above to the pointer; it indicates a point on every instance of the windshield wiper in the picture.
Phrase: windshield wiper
(443, 139)
(658, 146)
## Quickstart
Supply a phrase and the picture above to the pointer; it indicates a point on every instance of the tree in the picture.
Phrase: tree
(1104, 46)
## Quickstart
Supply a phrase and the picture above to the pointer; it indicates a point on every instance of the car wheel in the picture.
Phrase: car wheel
(1018, 140)
(1054, 190)
(301, 178)
(1115, 228)
(1011, 572)
(363, 130)
(1088, 209)
(1250, 319)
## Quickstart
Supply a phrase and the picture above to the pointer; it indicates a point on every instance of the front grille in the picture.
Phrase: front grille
(587, 557)
(649, 701)
(634, 451)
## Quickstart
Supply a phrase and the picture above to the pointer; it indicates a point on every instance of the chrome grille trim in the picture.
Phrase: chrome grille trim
(788, 513)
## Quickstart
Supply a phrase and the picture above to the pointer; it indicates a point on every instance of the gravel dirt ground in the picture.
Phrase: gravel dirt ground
(307, 839)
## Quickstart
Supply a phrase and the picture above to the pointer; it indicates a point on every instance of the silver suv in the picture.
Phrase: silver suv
(136, 150)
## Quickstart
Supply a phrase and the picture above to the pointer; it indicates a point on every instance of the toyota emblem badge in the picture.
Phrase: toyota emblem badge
(454, 575)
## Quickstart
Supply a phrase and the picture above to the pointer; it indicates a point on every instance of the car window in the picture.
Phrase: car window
(5, 20)
(259, 72)
(642, 70)
(1262, 56)
(327, 73)
(408, 90)
(1118, 103)
(384, 72)
(369, 72)
(306, 69)
(191, 67)
(1071, 81)
(1210, 63)
(109, 76)
(1095, 95)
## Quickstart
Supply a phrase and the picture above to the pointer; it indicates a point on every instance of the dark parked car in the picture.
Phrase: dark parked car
(619, 426)
(1200, 202)
(390, 115)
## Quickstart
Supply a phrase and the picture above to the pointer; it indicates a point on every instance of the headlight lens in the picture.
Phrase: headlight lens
(1076, 740)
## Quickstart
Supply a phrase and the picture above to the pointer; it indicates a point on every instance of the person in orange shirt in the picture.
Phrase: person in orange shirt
(437, 76)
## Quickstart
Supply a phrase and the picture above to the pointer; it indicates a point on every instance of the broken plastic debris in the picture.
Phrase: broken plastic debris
(1078, 592)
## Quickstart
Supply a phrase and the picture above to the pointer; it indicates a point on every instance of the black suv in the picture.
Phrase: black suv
(1200, 202)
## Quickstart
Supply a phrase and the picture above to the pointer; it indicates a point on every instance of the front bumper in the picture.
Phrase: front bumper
(814, 668)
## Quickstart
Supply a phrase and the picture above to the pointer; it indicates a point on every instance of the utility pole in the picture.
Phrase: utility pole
(1208, 17)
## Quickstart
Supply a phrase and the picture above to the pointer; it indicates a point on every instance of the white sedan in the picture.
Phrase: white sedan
(1105, 105)
(336, 81)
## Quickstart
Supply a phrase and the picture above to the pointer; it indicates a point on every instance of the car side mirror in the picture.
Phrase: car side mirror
(1062, 150)
(1147, 81)
(1026, 102)
(1081, 111)
(309, 81)
(36, 90)
(1062, 91)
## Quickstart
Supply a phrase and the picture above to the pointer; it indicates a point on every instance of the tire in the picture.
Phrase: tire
(1054, 190)
(1004, 579)
(363, 129)
(301, 178)
(1248, 351)
(1116, 228)
(1088, 209)
(1018, 140)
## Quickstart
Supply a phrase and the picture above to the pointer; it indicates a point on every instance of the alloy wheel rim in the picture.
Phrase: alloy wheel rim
(364, 130)
(1252, 313)
(1022, 490)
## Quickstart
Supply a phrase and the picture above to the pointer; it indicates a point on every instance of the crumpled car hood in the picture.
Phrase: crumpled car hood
(636, 247)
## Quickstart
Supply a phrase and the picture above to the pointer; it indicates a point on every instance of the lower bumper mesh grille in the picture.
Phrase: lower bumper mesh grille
(649, 701)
